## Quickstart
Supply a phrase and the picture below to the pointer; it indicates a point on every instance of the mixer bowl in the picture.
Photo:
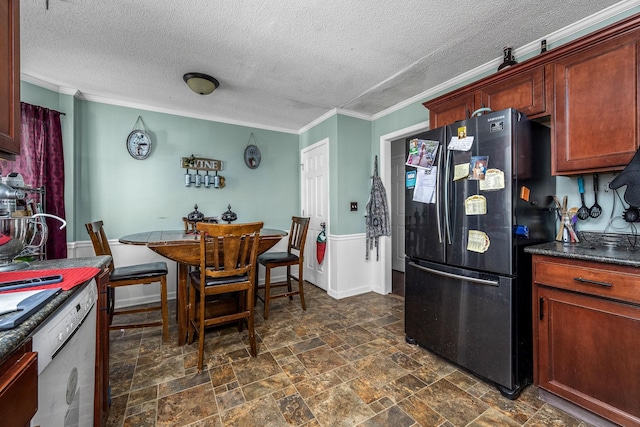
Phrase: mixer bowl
(15, 235)
(18, 234)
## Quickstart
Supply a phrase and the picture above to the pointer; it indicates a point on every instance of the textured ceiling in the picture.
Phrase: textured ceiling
(281, 63)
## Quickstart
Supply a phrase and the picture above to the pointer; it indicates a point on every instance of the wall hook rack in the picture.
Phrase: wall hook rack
(205, 165)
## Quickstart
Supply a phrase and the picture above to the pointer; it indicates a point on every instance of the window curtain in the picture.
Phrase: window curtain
(41, 163)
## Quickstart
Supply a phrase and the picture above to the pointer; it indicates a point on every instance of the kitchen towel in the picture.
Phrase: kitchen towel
(377, 218)
(70, 277)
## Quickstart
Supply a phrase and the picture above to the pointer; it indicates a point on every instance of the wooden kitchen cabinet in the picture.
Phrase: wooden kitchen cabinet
(9, 78)
(101, 396)
(19, 387)
(585, 90)
(596, 125)
(526, 91)
(586, 334)
(443, 112)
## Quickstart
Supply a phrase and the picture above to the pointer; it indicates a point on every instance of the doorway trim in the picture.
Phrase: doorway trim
(384, 269)
(326, 269)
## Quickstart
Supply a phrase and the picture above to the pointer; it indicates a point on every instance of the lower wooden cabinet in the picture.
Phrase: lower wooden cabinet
(19, 387)
(587, 335)
(101, 397)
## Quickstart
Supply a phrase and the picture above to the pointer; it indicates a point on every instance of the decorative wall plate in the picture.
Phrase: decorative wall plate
(252, 156)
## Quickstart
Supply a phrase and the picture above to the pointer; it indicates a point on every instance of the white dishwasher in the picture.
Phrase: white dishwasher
(66, 346)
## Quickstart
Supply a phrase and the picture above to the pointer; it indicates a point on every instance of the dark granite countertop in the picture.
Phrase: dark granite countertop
(13, 338)
(620, 249)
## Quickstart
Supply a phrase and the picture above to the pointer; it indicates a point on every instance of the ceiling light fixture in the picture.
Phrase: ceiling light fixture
(201, 83)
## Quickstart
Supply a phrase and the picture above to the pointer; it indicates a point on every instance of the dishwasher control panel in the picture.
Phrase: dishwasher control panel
(61, 326)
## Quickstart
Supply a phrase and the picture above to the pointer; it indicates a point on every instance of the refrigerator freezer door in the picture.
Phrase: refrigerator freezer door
(424, 227)
(467, 317)
(492, 149)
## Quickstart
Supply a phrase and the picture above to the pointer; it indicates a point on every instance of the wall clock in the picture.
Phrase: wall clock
(252, 156)
(139, 144)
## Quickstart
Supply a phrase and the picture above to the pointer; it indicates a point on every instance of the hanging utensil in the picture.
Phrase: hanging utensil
(583, 212)
(595, 210)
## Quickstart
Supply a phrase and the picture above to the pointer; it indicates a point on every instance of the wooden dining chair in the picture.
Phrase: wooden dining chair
(293, 256)
(228, 255)
(139, 274)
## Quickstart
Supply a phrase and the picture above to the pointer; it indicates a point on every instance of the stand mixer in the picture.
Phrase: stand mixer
(20, 234)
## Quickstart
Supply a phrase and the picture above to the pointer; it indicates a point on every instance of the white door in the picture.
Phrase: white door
(397, 209)
(315, 204)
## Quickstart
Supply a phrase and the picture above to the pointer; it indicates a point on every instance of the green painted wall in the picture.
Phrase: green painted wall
(104, 182)
(354, 173)
(349, 168)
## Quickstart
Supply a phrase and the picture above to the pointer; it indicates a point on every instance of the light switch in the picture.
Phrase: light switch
(354, 206)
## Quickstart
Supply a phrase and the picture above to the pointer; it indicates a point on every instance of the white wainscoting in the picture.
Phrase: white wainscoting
(350, 274)
(134, 254)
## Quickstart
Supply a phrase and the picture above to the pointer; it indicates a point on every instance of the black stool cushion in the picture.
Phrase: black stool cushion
(212, 281)
(268, 257)
(140, 271)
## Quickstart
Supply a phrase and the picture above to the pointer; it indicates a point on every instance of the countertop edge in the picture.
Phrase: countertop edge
(587, 252)
(12, 339)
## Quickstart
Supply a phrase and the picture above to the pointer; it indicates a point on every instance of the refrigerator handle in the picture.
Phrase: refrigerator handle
(446, 197)
(456, 276)
(439, 199)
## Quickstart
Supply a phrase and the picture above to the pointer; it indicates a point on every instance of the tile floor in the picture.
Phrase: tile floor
(340, 363)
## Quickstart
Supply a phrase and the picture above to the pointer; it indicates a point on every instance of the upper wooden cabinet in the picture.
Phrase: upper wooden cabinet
(9, 78)
(586, 90)
(447, 111)
(596, 102)
(525, 91)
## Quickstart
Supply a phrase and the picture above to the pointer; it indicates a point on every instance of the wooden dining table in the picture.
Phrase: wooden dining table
(184, 249)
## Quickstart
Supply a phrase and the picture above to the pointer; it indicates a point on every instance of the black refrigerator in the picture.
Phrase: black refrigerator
(477, 193)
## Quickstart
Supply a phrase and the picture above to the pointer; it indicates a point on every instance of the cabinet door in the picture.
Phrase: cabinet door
(588, 352)
(9, 77)
(450, 110)
(101, 396)
(524, 91)
(596, 107)
(19, 387)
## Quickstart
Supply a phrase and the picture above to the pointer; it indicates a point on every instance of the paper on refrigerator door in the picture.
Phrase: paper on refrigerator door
(478, 241)
(493, 180)
(460, 144)
(475, 205)
(425, 189)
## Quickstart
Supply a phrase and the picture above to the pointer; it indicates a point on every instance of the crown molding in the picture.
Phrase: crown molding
(562, 36)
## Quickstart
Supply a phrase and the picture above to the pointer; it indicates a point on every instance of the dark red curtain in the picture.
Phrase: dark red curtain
(41, 163)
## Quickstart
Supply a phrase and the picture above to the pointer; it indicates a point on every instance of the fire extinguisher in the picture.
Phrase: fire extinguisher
(321, 244)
